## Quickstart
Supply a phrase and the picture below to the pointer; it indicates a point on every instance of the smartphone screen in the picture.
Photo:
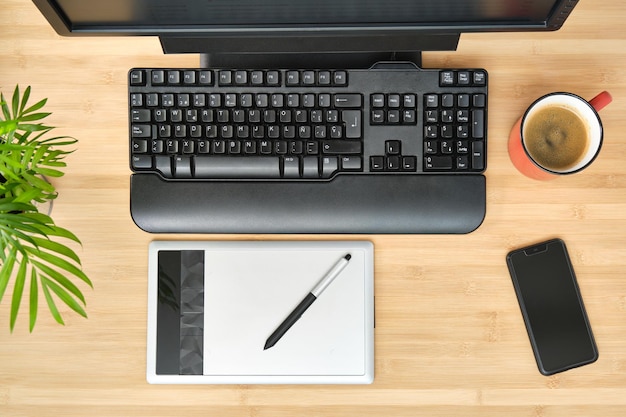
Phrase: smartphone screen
(552, 307)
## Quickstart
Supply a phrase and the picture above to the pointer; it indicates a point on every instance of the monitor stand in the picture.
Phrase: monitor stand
(305, 51)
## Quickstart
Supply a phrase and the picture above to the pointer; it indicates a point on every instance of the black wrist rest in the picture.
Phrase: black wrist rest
(364, 204)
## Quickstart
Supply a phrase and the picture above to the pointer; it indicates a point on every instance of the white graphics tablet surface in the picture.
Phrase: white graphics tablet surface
(212, 305)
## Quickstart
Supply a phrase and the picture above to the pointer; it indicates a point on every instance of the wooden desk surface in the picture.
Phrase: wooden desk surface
(450, 340)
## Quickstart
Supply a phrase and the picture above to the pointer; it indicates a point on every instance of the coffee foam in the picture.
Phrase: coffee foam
(586, 114)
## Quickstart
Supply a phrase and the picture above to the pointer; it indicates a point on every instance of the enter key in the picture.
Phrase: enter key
(352, 121)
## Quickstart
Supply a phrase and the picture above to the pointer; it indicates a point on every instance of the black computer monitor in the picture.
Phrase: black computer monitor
(343, 33)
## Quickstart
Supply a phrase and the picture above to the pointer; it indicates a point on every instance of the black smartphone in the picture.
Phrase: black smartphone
(552, 307)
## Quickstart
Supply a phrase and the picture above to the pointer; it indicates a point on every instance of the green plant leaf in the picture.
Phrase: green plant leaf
(58, 248)
(33, 117)
(64, 296)
(35, 106)
(60, 263)
(60, 141)
(7, 126)
(29, 127)
(25, 98)
(58, 277)
(14, 207)
(51, 304)
(38, 183)
(5, 108)
(16, 101)
(18, 224)
(8, 240)
(18, 289)
(7, 270)
(39, 218)
(54, 230)
(34, 300)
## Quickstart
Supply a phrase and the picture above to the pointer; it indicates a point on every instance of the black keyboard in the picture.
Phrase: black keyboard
(306, 129)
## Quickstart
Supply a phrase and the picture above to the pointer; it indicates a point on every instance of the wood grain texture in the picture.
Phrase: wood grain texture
(450, 340)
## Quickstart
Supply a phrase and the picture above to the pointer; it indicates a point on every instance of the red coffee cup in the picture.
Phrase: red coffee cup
(559, 134)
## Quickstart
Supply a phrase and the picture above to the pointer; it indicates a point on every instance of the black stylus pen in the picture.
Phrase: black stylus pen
(306, 302)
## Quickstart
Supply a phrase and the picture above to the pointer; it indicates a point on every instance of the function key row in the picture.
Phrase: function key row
(462, 78)
(261, 78)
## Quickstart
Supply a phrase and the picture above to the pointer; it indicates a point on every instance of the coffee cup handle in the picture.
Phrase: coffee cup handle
(601, 100)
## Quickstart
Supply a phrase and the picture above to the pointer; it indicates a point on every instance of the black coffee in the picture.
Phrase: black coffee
(556, 137)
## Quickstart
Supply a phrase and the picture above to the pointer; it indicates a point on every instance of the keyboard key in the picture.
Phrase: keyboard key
(182, 167)
(341, 147)
(480, 78)
(479, 100)
(330, 165)
(257, 78)
(158, 77)
(447, 78)
(241, 77)
(409, 163)
(351, 163)
(464, 78)
(340, 78)
(393, 117)
(393, 101)
(152, 100)
(225, 78)
(141, 161)
(273, 78)
(478, 123)
(141, 131)
(462, 163)
(377, 163)
(431, 147)
(136, 100)
(237, 167)
(173, 77)
(291, 167)
(392, 147)
(205, 77)
(323, 78)
(189, 77)
(137, 77)
(462, 147)
(393, 162)
(163, 164)
(140, 115)
(378, 117)
(352, 120)
(410, 101)
(310, 167)
(438, 162)
(293, 78)
(140, 146)
(478, 156)
(409, 117)
(432, 100)
(348, 100)
(308, 78)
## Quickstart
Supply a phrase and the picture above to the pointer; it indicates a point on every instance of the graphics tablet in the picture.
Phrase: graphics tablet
(213, 304)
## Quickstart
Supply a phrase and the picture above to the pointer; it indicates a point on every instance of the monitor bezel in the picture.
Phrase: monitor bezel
(64, 27)
(284, 45)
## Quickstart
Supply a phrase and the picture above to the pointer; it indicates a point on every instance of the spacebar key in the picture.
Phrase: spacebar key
(237, 167)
